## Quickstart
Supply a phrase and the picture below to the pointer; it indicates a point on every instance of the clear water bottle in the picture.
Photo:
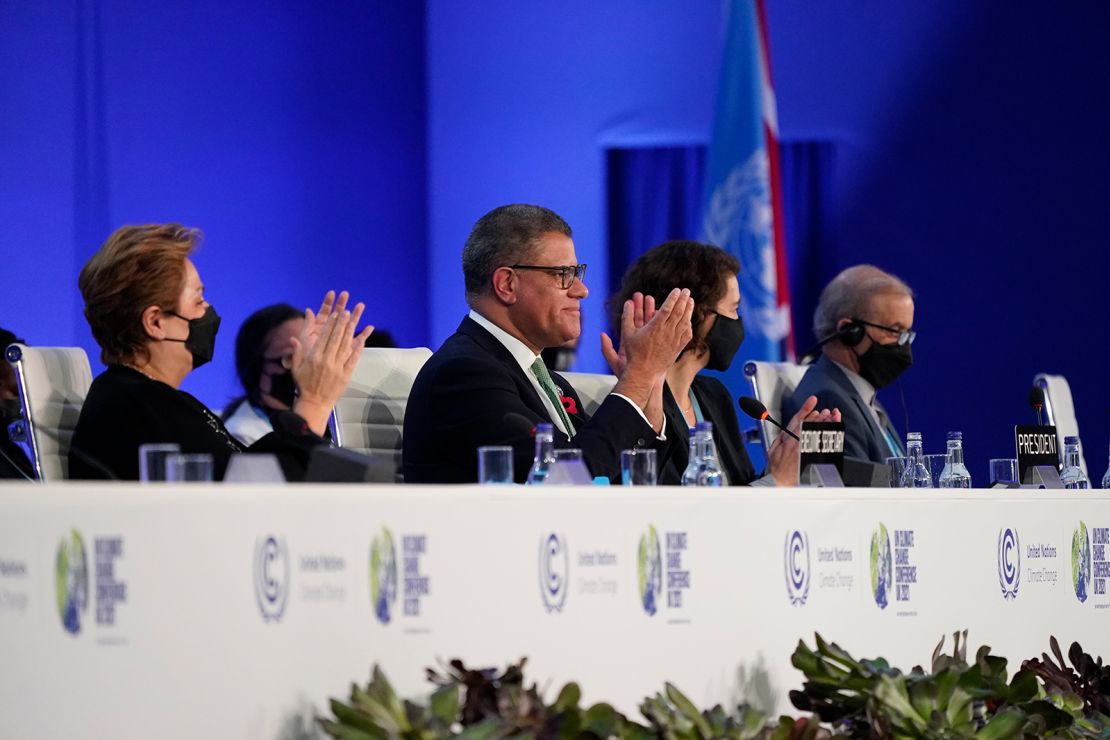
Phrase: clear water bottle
(703, 468)
(955, 473)
(1106, 478)
(916, 475)
(1071, 475)
(545, 454)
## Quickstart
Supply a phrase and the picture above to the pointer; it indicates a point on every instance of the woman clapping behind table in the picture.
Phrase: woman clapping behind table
(263, 356)
(688, 397)
(145, 304)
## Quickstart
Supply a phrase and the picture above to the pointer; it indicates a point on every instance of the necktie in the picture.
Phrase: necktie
(892, 441)
(548, 386)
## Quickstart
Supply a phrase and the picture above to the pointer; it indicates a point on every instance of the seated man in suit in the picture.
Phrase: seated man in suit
(487, 384)
(863, 320)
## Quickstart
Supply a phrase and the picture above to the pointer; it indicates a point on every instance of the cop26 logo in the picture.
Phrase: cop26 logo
(796, 567)
(881, 571)
(554, 568)
(1080, 561)
(649, 568)
(71, 580)
(1009, 562)
(383, 575)
(271, 576)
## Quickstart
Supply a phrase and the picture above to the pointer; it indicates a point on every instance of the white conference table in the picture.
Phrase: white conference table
(237, 610)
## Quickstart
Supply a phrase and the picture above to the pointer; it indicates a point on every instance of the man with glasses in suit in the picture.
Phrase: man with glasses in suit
(487, 384)
(863, 320)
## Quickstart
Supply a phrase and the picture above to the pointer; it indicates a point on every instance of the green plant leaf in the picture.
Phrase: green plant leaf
(1004, 725)
(484, 730)
(444, 704)
(892, 694)
(568, 697)
(688, 710)
(1023, 687)
(342, 732)
(355, 719)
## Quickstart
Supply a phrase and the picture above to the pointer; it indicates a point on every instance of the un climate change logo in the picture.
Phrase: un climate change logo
(881, 572)
(796, 567)
(71, 580)
(554, 571)
(271, 577)
(1009, 562)
(1080, 561)
(383, 575)
(649, 568)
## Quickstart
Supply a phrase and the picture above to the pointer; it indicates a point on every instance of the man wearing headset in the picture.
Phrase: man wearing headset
(863, 320)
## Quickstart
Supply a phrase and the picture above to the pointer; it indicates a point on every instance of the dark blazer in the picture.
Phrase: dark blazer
(125, 409)
(718, 407)
(463, 395)
(863, 439)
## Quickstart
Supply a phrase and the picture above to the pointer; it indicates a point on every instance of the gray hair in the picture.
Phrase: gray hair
(849, 295)
(505, 236)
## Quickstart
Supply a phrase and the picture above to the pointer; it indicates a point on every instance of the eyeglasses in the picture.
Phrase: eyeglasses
(905, 336)
(567, 273)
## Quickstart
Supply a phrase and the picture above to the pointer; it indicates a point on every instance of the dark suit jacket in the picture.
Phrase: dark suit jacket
(460, 400)
(125, 409)
(863, 439)
(717, 406)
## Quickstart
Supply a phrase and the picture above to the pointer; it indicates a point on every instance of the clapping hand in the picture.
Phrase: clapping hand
(324, 356)
(782, 459)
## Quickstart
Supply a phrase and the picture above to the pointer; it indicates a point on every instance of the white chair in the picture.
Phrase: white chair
(53, 383)
(1059, 411)
(592, 388)
(370, 415)
(771, 381)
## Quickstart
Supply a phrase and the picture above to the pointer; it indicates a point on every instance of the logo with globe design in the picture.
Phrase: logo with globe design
(71, 580)
(881, 570)
(554, 571)
(383, 576)
(797, 567)
(1009, 562)
(649, 568)
(1081, 562)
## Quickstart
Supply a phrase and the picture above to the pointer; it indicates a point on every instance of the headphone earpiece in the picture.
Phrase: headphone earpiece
(851, 334)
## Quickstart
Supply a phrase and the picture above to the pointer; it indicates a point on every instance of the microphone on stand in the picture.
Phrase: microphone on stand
(759, 412)
(1036, 400)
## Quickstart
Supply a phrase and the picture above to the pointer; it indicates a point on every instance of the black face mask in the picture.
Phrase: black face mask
(882, 363)
(724, 339)
(282, 388)
(201, 341)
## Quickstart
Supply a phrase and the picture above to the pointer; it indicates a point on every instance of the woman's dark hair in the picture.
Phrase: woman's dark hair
(703, 268)
(250, 345)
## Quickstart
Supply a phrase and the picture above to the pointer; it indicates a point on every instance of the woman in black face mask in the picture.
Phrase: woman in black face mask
(145, 304)
(710, 274)
(263, 357)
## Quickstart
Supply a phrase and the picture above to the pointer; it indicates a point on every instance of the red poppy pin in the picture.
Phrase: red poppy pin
(569, 405)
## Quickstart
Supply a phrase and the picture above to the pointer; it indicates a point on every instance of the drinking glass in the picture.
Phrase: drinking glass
(638, 467)
(1003, 470)
(152, 461)
(897, 468)
(935, 465)
(495, 465)
(193, 468)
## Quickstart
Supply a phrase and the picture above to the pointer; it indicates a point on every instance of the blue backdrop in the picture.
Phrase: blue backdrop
(355, 144)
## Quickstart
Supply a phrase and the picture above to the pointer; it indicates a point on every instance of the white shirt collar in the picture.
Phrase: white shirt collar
(518, 349)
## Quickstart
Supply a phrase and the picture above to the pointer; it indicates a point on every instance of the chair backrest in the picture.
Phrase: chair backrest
(592, 388)
(370, 415)
(771, 381)
(53, 383)
(1059, 411)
